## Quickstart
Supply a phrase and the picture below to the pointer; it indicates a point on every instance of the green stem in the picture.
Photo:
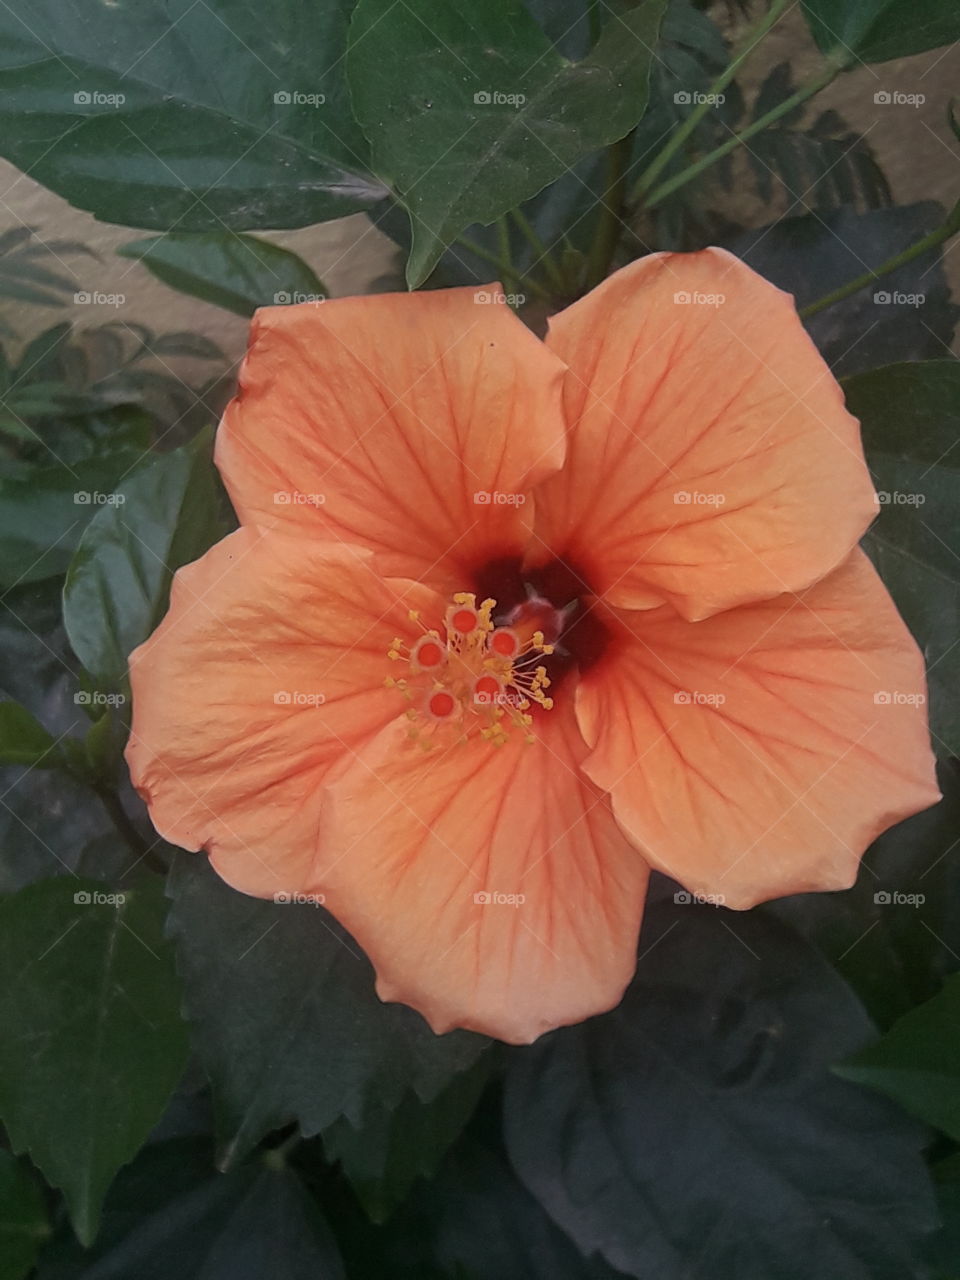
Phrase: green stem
(750, 41)
(554, 274)
(949, 229)
(814, 85)
(118, 816)
(506, 269)
(604, 246)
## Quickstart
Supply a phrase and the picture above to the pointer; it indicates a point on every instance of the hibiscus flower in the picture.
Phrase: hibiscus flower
(508, 623)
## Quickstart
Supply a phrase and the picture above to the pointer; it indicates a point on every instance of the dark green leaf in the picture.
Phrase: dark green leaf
(164, 1222)
(93, 1044)
(477, 1221)
(286, 1019)
(385, 1156)
(910, 417)
(877, 30)
(23, 1218)
(193, 345)
(888, 935)
(470, 110)
(917, 1063)
(698, 1129)
(43, 515)
(119, 582)
(810, 256)
(237, 272)
(180, 114)
(23, 740)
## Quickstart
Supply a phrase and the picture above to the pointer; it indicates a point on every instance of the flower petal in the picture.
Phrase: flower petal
(377, 420)
(759, 752)
(711, 461)
(268, 668)
(413, 842)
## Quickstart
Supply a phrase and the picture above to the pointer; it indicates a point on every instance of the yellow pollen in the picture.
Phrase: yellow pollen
(461, 684)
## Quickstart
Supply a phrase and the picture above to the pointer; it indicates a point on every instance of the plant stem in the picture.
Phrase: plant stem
(949, 229)
(607, 237)
(118, 815)
(750, 41)
(506, 269)
(554, 274)
(812, 86)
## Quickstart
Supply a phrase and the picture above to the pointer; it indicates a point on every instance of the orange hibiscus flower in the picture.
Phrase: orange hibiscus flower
(509, 622)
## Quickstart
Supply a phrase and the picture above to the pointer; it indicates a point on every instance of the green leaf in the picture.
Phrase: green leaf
(877, 30)
(165, 1218)
(477, 1221)
(393, 1147)
(286, 1019)
(171, 113)
(23, 1218)
(44, 513)
(23, 740)
(888, 935)
(119, 582)
(470, 110)
(237, 272)
(698, 1128)
(811, 255)
(910, 418)
(93, 1044)
(917, 1063)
